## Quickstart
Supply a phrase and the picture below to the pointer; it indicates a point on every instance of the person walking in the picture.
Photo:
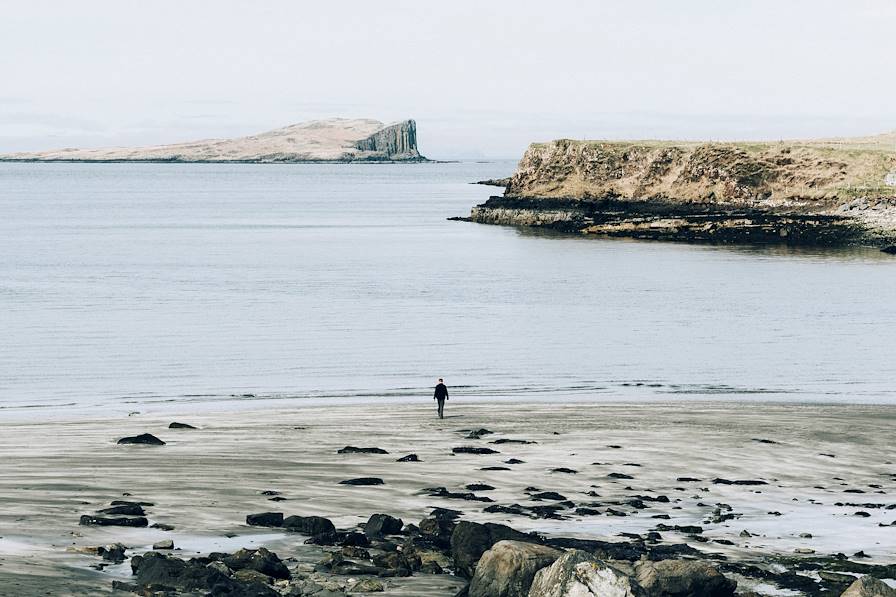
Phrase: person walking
(440, 396)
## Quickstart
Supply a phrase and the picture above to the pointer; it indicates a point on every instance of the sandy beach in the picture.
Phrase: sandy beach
(820, 470)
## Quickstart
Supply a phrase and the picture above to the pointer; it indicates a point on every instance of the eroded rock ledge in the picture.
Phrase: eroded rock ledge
(826, 192)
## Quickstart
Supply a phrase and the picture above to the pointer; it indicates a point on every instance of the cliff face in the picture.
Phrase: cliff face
(396, 142)
(334, 140)
(828, 192)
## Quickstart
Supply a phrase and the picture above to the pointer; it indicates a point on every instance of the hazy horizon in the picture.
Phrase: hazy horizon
(480, 81)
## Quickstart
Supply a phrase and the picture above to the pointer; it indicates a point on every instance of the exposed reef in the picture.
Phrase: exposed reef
(826, 192)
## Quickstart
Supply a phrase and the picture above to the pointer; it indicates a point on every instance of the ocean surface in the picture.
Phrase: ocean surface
(124, 284)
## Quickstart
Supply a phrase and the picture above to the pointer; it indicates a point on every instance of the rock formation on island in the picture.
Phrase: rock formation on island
(334, 140)
(827, 192)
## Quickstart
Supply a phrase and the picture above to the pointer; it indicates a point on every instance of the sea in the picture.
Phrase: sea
(127, 285)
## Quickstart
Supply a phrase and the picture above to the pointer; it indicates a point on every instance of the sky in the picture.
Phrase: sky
(482, 79)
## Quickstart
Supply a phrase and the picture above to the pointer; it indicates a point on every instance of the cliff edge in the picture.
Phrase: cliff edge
(829, 191)
(334, 140)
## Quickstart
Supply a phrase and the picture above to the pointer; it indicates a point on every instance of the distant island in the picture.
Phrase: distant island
(333, 140)
(827, 191)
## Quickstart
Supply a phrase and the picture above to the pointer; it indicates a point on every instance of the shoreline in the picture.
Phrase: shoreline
(205, 481)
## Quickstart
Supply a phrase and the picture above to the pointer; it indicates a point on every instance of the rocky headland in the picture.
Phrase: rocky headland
(824, 192)
(333, 140)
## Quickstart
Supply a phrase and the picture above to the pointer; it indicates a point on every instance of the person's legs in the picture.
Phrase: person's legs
(441, 402)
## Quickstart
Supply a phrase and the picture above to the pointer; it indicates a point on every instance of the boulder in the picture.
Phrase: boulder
(890, 250)
(368, 585)
(163, 544)
(113, 552)
(682, 578)
(308, 525)
(509, 567)
(259, 560)
(124, 510)
(382, 524)
(397, 563)
(251, 576)
(158, 574)
(144, 438)
(265, 519)
(113, 521)
(868, 586)
(176, 425)
(470, 540)
(155, 569)
(579, 574)
(409, 458)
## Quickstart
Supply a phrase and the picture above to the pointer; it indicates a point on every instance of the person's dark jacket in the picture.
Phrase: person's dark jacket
(441, 392)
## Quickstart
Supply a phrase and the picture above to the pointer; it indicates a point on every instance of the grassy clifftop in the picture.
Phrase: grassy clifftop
(829, 191)
(754, 174)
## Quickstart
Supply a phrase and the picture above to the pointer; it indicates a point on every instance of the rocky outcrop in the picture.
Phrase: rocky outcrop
(398, 141)
(807, 192)
(470, 540)
(508, 568)
(868, 586)
(334, 140)
(580, 574)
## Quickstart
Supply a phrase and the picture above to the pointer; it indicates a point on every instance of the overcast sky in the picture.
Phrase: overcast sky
(481, 78)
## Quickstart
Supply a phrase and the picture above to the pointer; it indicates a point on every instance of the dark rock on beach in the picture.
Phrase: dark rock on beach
(308, 525)
(124, 510)
(113, 521)
(691, 578)
(473, 450)
(409, 458)
(144, 438)
(619, 476)
(131, 503)
(265, 519)
(738, 482)
(548, 495)
(176, 425)
(260, 560)
(444, 493)
(363, 481)
(470, 540)
(379, 525)
(478, 433)
(355, 450)
(479, 487)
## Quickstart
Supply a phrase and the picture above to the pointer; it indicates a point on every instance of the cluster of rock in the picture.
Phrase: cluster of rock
(496, 560)
(810, 192)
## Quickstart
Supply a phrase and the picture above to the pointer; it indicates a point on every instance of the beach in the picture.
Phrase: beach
(805, 469)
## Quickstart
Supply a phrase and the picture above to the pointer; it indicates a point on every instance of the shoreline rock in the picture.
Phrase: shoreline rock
(825, 192)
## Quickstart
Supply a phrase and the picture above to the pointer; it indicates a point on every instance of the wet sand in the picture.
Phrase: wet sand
(204, 482)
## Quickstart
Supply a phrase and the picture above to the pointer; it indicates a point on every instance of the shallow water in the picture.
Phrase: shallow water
(124, 283)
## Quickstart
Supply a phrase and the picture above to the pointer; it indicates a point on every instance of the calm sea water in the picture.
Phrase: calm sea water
(159, 282)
